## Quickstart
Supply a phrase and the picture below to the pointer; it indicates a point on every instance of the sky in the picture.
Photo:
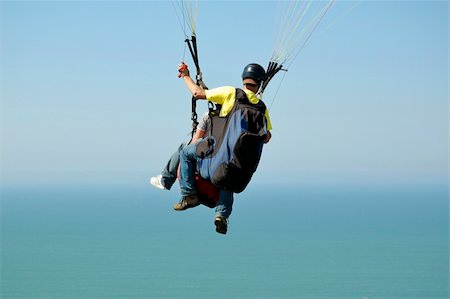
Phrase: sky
(90, 94)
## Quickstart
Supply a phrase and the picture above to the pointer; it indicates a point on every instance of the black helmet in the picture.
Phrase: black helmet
(254, 71)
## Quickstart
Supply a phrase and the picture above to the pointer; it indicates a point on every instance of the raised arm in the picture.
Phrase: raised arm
(196, 90)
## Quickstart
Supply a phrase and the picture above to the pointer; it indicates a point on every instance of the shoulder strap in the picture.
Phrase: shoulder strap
(241, 97)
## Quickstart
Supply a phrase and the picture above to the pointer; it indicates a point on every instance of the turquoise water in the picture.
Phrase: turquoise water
(126, 242)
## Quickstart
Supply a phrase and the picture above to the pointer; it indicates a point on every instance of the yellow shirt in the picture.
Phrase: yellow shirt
(226, 96)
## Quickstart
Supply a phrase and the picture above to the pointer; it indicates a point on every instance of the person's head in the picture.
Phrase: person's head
(252, 76)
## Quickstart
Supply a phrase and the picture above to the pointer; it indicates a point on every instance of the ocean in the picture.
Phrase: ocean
(298, 242)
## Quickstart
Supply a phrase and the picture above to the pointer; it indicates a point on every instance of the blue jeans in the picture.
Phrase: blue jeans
(169, 173)
(188, 164)
(225, 203)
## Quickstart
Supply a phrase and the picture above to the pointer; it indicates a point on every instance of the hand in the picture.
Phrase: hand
(268, 136)
(183, 70)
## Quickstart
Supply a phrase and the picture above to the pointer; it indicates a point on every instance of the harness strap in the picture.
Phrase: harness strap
(194, 116)
(192, 45)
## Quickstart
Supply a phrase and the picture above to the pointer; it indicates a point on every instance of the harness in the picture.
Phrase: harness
(230, 154)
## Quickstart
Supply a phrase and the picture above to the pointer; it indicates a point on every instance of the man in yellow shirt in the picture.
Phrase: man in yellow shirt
(252, 77)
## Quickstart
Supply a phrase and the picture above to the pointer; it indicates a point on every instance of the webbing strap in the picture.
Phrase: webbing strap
(272, 70)
(192, 45)
(194, 116)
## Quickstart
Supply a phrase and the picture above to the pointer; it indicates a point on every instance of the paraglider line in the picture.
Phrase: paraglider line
(278, 89)
(314, 26)
(180, 22)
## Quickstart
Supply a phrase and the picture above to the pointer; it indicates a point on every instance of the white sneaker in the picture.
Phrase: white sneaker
(156, 181)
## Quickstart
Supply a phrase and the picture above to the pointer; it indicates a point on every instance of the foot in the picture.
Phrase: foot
(221, 224)
(187, 202)
(156, 181)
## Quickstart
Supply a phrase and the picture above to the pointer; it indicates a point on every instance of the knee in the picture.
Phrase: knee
(187, 152)
(183, 154)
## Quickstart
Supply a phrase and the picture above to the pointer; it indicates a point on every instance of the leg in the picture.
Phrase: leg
(169, 173)
(188, 163)
(225, 203)
(223, 211)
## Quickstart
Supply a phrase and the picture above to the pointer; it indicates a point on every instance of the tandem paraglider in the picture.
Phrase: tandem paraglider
(227, 144)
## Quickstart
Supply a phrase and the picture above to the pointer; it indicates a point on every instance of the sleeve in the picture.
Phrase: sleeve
(269, 123)
(220, 95)
(203, 124)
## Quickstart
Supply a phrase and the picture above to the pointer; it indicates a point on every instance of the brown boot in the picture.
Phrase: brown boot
(221, 224)
(187, 202)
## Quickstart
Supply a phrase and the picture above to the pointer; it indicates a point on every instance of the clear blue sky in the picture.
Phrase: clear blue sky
(89, 92)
